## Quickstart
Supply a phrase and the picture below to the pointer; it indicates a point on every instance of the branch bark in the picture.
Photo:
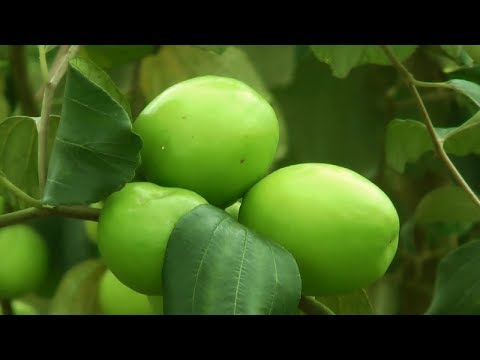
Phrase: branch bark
(412, 85)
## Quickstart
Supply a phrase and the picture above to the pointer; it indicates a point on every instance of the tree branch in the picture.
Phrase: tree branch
(76, 212)
(310, 306)
(45, 115)
(21, 80)
(19, 216)
(412, 85)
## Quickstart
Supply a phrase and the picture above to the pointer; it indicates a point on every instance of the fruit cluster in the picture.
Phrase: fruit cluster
(212, 140)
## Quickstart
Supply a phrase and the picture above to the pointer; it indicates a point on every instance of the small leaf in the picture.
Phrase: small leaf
(453, 50)
(78, 290)
(464, 139)
(405, 141)
(355, 303)
(343, 58)
(18, 154)
(214, 265)
(95, 151)
(447, 204)
(467, 88)
(457, 286)
(459, 54)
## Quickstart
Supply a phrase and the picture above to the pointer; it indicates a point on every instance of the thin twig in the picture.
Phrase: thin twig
(42, 56)
(21, 84)
(56, 63)
(310, 306)
(76, 212)
(45, 115)
(19, 193)
(7, 308)
(411, 83)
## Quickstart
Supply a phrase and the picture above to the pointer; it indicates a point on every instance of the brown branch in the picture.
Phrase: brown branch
(411, 83)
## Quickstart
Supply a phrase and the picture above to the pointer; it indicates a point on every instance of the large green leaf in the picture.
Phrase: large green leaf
(77, 292)
(173, 64)
(343, 58)
(95, 151)
(19, 156)
(457, 286)
(355, 303)
(447, 204)
(214, 265)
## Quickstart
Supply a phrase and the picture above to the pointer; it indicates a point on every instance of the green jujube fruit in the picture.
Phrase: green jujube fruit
(213, 135)
(340, 227)
(134, 228)
(24, 261)
(115, 298)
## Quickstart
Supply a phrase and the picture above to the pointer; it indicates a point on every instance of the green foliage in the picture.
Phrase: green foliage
(108, 56)
(457, 288)
(18, 154)
(95, 151)
(399, 150)
(343, 58)
(275, 63)
(333, 120)
(448, 204)
(214, 265)
(408, 140)
(187, 62)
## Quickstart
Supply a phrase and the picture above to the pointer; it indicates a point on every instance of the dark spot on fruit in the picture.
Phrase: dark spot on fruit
(193, 137)
(184, 117)
(242, 161)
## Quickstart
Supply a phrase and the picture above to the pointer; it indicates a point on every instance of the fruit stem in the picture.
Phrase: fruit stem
(310, 306)
(437, 143)
(7, 308)
(48, 95)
